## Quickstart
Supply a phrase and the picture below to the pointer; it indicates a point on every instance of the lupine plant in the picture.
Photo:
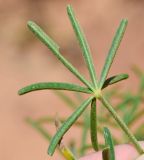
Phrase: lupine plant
(94, 87)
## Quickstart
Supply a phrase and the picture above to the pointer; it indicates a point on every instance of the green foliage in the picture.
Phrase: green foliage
(92, 88)
(66, 125)
(114, 47)
(109, 150)
(122, 107)
(54, 86)
(84, 45)
(114, 79)
(93, 125)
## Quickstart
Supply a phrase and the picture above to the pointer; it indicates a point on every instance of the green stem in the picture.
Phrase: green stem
(122, 125)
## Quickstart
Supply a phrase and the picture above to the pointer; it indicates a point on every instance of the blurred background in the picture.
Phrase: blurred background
(25, 60)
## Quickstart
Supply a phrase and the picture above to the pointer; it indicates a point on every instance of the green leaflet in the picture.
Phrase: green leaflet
(51, 45)
(83, 44)
(114, 79)
(66, 125)
(112, 52)
(53, 85)
(109, 143)
(42, 36)
(93, 125)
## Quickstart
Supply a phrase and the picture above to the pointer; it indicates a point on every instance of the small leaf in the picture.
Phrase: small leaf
(93, 125)
(109, 143)
(83, 44)
(112, 52)
(43, 37)
(114, 79)
(66, 125)
(53, 85)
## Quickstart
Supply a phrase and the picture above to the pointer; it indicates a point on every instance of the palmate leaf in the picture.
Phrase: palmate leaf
(91, 88)
(83, 44)
(112, 52)
(66, 125)
(42, 36)
(53, 85)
